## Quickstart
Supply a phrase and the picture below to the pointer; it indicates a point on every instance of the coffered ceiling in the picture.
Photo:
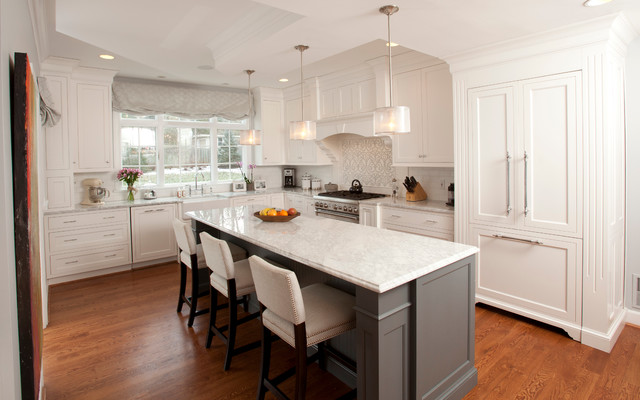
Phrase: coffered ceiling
(212, 41)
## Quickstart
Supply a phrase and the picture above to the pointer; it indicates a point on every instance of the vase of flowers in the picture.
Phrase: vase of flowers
(248, 180)
(129, 176)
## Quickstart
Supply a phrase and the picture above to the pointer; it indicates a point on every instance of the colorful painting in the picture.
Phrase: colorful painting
(24, 125)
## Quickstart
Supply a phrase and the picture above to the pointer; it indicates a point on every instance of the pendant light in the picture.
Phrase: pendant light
(302, 130)
(391, 120)
(250, 136)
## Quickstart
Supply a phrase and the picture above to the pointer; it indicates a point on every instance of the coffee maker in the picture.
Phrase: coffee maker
(289, 177)
(94, 192)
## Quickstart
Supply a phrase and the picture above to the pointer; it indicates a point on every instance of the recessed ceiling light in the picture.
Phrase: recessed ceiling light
(107, 56)
(392, 44)
(283, 80)
(594, 3)
(205, 67)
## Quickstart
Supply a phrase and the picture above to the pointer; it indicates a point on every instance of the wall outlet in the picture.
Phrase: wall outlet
(443, 184)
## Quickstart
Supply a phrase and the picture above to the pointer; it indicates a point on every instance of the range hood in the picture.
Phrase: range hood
(358, 124)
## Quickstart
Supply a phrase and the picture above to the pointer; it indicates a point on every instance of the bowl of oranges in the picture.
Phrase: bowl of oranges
(271, 214)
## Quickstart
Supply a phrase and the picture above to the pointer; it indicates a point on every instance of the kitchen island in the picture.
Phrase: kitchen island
(414, 296)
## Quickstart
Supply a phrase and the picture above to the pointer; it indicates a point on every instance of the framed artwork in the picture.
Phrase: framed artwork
(24, 127)
(239, 186)
(260, 184)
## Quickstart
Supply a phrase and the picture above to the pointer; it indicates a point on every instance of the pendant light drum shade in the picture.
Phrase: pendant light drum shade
(391, 120)
(302, 130)
(250, 137)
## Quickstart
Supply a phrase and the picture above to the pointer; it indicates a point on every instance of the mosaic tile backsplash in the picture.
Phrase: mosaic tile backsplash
(368, 160)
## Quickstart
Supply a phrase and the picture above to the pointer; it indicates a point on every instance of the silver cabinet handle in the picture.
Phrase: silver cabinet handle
(111, 217)
(71, 240)
(72, 262)
(395, 216)
(499, 236)
(526, 203)
(148, 211)
(160, 209)
(110, 234)
(69, 222)
(430, 221)
(508, 183)
(110, 255)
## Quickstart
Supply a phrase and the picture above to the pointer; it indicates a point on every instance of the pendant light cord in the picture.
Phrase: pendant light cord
(302, 49)
(389, 60)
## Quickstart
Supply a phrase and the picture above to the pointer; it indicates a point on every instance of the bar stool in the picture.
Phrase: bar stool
(231, 279)
(190, 255)
(300, 317)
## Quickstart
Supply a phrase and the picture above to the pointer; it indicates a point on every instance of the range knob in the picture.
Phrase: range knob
(326, 205)
(335, 206)
(350, 209)
(355, 209)
(318, 204)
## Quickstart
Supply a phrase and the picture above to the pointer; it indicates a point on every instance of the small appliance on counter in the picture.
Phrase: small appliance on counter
(306, 182)
(289, 177)
(94, 192)
(331, 187)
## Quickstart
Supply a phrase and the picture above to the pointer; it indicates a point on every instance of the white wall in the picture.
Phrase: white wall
(16, 35)
(633, 166)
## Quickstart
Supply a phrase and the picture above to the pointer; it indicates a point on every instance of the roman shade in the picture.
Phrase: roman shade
(140, 97)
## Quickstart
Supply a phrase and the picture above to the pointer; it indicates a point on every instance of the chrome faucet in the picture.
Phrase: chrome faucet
(196, 178)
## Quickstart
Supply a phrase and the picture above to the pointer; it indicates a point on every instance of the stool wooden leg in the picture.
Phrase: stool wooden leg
(213, 309)
(301, 360)
(183, 285)
(265, 359)
(233, 322)
(195, 289)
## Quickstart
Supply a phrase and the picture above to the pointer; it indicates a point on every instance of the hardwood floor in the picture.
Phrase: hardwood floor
(119, 337)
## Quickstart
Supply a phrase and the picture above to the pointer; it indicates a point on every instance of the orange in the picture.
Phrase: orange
(272, 213)
(282, 213)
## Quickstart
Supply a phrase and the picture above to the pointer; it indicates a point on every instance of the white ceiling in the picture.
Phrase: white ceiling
(153, 38)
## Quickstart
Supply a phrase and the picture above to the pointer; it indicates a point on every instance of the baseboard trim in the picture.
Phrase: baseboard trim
(633, 317)
(605, 341)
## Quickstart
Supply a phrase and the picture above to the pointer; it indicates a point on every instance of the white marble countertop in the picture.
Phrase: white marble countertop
(376, 259)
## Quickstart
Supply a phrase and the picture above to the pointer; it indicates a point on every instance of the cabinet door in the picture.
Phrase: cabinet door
(408, 92)
(534, 275)
(437, 109)
(551, 141)
(59, 192)
(57, 137)
(328, 104)
(491, 120)
(272, 133)
(93, 126)
(368, 215)
(153, 236)
(366, 96)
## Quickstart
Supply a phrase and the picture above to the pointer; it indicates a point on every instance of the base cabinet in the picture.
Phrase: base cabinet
(152, 232)
(534, 275)
(78, 243)
(368, 215)
(425, 223)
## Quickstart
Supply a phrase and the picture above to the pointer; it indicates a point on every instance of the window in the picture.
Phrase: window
(173, 151)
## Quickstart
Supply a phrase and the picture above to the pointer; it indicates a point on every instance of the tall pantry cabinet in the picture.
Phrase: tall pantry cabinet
(540, 166)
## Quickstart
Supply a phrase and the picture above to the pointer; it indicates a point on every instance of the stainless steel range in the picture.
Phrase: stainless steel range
(341, 205)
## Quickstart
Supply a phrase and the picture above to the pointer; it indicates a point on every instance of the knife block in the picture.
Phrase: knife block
(418, 194)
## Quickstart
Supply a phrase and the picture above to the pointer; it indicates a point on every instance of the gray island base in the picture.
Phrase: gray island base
(414, 335)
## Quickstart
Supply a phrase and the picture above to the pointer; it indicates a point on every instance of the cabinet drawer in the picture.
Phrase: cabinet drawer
(82, 238)
(417, 220)
(67, 264)
(71, 221)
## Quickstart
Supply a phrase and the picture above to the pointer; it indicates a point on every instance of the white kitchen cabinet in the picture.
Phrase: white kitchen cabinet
(350, 98)
(304, 204)
(425, 223)
(86, 242)
(152, 232)
(250, 200)
(368, 215)
(428, 94)
(276, 200)
(270, 120)
(559, 99)
(92, 127)
(535, 275)
(525, 158)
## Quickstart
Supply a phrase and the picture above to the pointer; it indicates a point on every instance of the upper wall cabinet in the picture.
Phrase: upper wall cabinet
(269, 118)
(91, 126)
(428, 94)
(348, 99)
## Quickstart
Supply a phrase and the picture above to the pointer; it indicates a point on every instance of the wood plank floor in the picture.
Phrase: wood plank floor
(119, 337)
